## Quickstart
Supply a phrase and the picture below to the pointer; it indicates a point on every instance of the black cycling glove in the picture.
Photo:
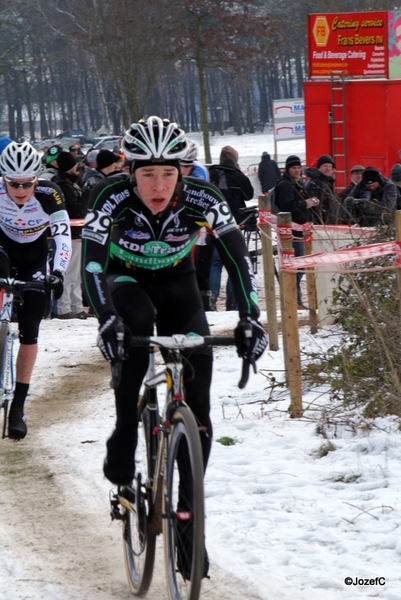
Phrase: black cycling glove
(250, 339)
(112, 332)
(55, 283)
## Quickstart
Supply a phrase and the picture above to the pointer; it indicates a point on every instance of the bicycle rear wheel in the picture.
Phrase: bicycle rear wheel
(184, 513)
(139, 540)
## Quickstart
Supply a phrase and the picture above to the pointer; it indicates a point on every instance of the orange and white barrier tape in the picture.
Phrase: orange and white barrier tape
(345, 255)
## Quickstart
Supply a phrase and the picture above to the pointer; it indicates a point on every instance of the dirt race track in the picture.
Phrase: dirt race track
(63, 550)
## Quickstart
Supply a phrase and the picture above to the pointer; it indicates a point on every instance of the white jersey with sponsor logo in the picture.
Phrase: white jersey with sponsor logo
(28, 222)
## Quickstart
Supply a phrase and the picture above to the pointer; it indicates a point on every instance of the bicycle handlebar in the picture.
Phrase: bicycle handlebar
(10, 284)
(15, 285)
(180, 342)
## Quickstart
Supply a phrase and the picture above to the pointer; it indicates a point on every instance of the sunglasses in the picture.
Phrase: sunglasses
(17, 184)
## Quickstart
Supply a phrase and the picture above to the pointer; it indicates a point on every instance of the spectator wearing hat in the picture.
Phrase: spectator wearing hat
(292, 196)
(51, 167)
(70, 304)
(356, 177)
(321, 186)
(236, 188)
(106, 164)
(372, 200)
(268, 173)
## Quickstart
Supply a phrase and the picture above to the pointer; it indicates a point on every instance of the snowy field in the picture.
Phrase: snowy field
(290, 514)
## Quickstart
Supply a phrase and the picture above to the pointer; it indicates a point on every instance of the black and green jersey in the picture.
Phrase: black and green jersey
(121, 235)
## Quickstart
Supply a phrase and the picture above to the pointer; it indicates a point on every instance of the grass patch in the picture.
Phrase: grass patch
(226, 441)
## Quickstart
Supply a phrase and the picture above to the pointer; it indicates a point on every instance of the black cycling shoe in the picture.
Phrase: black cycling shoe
(119, 464)
(17, 428)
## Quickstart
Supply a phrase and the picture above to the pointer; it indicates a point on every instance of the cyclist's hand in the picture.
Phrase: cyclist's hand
(250, 339)
(55, 282)
(114, 338)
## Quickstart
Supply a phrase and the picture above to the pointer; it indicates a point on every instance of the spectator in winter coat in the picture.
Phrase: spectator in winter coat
(236, 188)
(268, 173)
(321, 186)
(106, 164)
(369, 202)
(70, 305)
(292, 196)
(356, 177)
(50, 170)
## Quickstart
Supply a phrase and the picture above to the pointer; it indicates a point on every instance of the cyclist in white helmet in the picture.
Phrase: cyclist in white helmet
(137, 269)
(190, 166)
(28, 207)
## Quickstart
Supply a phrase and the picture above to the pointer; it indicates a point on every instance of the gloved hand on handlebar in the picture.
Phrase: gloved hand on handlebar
(250, 339)
(55, 282)
(114, 338)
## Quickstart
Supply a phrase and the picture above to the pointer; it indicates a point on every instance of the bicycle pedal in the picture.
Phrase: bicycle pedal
(115, 512)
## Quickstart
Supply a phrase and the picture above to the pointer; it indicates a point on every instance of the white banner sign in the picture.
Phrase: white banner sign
(289, 119)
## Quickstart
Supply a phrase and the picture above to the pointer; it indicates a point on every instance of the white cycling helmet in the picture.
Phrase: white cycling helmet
(191, 154)
(19, 160)
(155, 140)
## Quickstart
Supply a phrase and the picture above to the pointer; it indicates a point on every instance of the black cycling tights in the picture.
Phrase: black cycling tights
(179, 310)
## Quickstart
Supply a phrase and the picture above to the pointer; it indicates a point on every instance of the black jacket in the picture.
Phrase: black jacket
(268, 172)
(322, 187)
(90, 178)
(235, 186)
(74, 203)
(370, 206)
(290, 196)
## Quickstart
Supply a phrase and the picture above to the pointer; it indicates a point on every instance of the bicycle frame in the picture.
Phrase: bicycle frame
(172, 376)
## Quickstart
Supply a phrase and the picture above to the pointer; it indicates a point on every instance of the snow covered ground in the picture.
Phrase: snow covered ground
(291, 514)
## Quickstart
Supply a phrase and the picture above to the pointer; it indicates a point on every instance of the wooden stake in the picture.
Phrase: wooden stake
(289, 319)
(311, 289)
(268, 273)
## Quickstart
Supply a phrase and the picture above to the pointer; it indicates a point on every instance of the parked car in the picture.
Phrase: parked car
(77, 134)
(107, 142)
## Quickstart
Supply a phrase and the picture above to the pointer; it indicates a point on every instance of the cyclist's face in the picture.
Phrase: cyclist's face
(186, 170)
(156, 185)
(21, 195)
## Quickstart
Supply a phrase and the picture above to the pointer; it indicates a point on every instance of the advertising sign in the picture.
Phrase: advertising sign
(289, 119)
(355, 43)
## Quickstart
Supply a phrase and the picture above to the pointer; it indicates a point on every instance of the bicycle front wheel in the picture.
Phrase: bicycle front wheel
(3, 401)
(184, 512)
(3, 341)
(139, 539)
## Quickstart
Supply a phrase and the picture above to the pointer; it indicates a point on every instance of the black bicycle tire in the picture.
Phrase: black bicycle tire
(139, 577)
(184, 426)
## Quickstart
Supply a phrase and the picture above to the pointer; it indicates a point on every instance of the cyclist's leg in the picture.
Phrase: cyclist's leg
(29, 316)
(137, 311)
